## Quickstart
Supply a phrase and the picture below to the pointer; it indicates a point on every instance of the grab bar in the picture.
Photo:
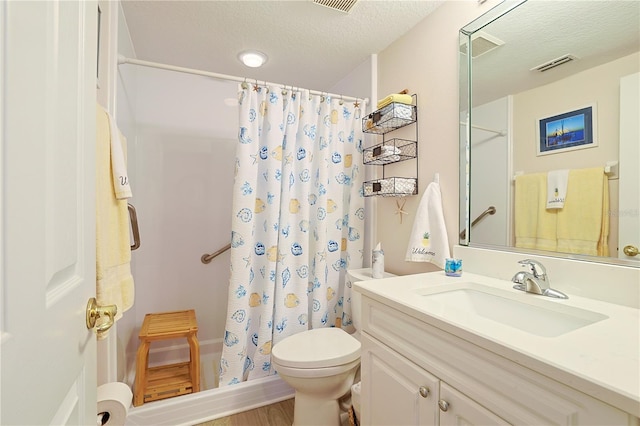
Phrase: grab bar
(207, 258)
(134, 227)
(489, 210)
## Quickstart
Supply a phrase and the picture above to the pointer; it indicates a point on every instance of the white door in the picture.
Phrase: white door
(629, 211)
(47, 216)
(397, 392)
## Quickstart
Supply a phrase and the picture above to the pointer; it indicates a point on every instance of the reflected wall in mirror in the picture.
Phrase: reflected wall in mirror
(526, 61)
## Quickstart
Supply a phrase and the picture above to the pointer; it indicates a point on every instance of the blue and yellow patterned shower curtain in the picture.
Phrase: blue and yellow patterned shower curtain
(298, 222)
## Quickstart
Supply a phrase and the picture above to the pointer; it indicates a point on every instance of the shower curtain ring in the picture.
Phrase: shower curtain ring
(256, 88)
(244, 84)
(265, 86)
(341, 100)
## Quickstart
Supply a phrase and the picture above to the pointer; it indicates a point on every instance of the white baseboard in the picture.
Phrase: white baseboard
(200, 407)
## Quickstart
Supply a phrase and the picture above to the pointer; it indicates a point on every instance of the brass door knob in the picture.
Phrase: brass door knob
(94, 312)
(630, 250)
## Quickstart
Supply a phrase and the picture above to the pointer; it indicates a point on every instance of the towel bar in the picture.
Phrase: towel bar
(610, 169)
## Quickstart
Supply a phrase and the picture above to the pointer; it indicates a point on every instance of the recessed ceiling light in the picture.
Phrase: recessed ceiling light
(252, 58)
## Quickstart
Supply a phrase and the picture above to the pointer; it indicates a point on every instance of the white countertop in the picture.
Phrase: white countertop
(601, 359)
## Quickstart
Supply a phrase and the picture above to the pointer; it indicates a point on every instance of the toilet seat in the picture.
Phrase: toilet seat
(317, 348)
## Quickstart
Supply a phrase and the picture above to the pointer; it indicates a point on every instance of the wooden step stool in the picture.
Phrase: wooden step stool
(167, 380)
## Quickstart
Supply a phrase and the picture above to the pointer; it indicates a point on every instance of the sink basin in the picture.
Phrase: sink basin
(535, 316)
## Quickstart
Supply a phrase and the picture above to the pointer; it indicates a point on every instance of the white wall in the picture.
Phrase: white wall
(425, 61)
(357, 83)
(490, 169)
(184, 168)
(604, 92)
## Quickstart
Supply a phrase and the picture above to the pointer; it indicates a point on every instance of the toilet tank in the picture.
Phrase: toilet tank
(354, 276)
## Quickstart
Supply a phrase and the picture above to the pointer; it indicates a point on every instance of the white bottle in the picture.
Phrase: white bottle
(377, 262)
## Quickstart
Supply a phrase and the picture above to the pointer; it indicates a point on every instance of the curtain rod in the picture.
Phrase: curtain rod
(124, 60)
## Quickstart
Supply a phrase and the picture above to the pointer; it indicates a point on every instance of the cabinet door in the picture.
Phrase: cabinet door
(394, 390)
(458, 409)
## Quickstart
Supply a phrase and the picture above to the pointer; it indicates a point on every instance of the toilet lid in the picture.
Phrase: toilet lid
(317, 348)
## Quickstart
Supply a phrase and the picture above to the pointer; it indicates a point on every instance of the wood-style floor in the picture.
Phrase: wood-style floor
(279, 414)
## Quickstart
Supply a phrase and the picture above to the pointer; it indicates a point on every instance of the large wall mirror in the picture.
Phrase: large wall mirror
(529, 70)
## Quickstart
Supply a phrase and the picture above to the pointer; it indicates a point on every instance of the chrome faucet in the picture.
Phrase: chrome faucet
(535, 281)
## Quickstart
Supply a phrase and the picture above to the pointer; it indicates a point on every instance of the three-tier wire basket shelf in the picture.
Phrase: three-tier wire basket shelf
(385, 120)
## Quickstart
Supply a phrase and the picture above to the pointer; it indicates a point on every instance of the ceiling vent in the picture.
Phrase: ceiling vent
(341, 5)
(554, 63)
(481, 43)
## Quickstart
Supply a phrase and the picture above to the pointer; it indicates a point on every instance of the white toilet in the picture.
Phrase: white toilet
(321, 365)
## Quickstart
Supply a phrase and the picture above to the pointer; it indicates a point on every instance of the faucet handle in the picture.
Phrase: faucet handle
(537, 268)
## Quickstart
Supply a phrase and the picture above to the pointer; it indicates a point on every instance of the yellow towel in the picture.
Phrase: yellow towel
(395, 97)
(535, 226)
(114, 283)
(583, 223)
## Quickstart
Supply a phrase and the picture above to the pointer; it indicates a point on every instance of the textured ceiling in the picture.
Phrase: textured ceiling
(308, 45)
(535, 32)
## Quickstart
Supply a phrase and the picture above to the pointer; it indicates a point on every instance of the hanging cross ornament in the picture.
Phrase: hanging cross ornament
(400, 208)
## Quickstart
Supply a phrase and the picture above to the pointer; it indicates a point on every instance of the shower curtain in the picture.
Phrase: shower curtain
(297, 225)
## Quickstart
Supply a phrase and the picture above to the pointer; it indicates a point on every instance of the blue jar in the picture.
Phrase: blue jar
(453, 267)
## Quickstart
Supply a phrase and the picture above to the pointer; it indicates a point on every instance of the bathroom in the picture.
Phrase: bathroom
(432, 75)
(191, 99)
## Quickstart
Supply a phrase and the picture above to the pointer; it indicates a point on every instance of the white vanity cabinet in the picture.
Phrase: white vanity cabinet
(414, 373)
(399, 392)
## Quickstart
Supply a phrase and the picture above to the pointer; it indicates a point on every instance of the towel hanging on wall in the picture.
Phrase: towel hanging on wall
(583, 223)
(428, 241)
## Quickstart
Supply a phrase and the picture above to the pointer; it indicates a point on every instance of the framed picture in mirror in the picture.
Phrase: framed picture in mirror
(567, 131)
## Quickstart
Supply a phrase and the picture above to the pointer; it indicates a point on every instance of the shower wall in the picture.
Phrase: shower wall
(182, 165)
(181, 133)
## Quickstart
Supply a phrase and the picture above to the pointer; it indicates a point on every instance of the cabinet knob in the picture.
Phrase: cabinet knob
(424, 391)
(444, 405)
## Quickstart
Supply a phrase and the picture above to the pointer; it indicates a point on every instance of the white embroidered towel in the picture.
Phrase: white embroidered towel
(557, 181)
(118, 165)
(428, 241)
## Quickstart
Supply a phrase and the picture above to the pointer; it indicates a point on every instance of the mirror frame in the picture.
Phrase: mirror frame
(465, 68)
